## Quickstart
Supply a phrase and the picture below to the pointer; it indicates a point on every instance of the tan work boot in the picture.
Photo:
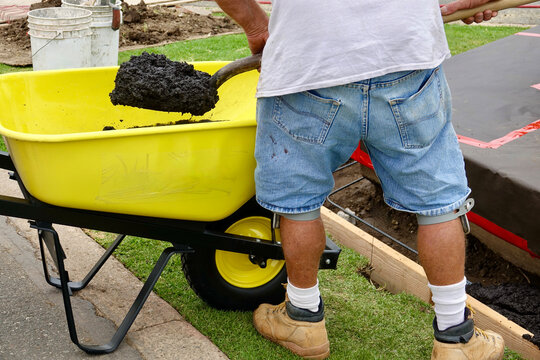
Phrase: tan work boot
(466, 342)
(301, 331)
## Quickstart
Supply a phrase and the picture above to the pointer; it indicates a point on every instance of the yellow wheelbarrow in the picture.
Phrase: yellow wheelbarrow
(190, 184)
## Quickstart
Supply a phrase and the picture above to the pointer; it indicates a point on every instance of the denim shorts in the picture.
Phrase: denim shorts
(402, 118)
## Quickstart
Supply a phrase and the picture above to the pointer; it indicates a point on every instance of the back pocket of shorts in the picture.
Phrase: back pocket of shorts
(420, 116)
(305, 116)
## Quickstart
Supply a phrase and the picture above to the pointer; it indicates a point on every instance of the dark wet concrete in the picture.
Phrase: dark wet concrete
(518, 302)
(152, 81)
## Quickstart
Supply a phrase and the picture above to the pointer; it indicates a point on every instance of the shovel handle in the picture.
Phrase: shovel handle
(116, 19)
(234, 68)
(494, 5)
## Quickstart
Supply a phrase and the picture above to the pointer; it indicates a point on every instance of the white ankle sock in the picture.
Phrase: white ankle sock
(304, 298)
(449, 304)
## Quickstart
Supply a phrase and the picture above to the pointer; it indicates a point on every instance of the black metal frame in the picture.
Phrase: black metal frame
(184, 236)
(374, 228)
(48, 235)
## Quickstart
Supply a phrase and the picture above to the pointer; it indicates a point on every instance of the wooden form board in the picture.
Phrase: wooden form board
(397, 273)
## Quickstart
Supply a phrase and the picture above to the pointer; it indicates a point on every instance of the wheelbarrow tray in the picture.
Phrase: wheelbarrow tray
(52, 123)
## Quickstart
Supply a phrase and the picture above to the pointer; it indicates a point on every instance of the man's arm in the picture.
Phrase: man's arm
(251, 17)
(454, 6)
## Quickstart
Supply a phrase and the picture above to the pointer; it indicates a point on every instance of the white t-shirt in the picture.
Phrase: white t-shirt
(322, 43)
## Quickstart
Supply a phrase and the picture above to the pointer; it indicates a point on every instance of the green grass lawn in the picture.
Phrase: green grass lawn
(4, 69)
(226, 47)
(363, 322)
(462, 38)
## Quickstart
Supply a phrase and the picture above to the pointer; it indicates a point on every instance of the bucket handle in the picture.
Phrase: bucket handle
(58, 34)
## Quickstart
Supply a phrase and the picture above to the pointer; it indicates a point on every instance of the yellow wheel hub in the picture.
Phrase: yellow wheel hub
(236, 268)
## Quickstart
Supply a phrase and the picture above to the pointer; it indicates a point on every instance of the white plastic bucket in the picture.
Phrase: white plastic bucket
(105, 40)
(60, 38)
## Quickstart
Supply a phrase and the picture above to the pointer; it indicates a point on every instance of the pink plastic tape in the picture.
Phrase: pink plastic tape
(494, 144)
(527, 34)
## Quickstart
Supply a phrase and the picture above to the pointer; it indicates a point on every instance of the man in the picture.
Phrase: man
(334, 73)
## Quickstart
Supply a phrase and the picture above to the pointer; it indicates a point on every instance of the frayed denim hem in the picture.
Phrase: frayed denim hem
(282, 210)
(431, 212)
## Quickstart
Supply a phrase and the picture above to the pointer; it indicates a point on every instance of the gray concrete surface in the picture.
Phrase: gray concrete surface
(32, 319)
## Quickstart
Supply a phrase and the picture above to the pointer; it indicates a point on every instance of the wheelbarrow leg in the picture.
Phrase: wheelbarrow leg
(135, 307)
(46, 234)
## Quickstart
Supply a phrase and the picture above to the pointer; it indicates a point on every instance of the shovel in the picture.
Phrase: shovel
(152, 81)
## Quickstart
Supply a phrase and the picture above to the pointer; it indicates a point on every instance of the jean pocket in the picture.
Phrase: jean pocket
(306, 116)
(420, 116)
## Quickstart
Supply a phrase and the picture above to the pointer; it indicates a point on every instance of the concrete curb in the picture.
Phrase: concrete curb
(159, 332)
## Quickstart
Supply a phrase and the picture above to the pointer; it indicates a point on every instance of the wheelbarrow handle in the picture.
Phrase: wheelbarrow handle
(494, 5)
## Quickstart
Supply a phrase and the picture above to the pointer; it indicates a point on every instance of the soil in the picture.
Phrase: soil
(142, 26)
(495, 282)
(152, 81)
(46, 4)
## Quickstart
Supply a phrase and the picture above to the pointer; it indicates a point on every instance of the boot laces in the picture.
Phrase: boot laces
(479, 332)
(279, 308)
(470, 309)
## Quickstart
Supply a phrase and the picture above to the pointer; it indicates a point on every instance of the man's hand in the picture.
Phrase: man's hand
(257, 38)
(454, 6)
(251, 17)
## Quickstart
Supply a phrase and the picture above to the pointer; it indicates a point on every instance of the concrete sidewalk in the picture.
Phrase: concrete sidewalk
(32, 318)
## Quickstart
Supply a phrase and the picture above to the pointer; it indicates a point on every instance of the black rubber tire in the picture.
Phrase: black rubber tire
(201, 272)
(206, 281)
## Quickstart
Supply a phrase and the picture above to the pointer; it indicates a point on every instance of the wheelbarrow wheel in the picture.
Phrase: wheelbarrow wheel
(231, 281)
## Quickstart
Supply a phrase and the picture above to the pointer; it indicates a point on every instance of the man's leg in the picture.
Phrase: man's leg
(299, 140)
(303, 244)
(441, 249)
(298, 323)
